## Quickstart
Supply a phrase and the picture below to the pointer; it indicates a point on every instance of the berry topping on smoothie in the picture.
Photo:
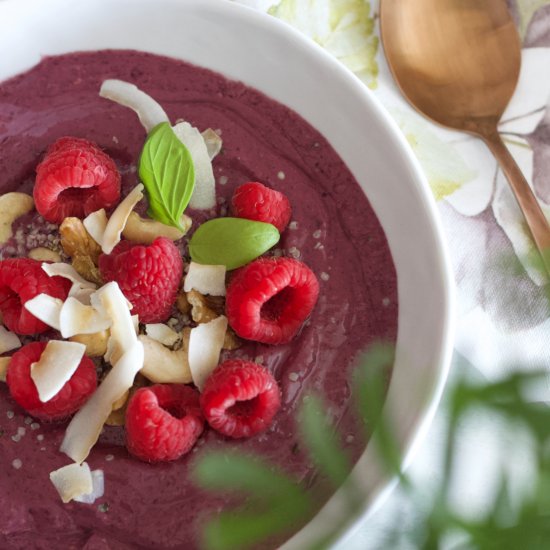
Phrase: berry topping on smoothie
(149, 276)
(240, 399)
(75, 178)
(269, 299)
(163, 422)
(21, 279)
(255, 201)
(70, 398)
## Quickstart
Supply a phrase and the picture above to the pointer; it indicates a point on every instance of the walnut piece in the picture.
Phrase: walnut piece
(81, 247)
(231, 340)
(205, 308)
(182, 303)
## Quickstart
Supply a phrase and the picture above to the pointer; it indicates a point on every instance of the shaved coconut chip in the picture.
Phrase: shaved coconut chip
(67, 271)
(150, 113)
(205, 345)
(206, 279)
(46, 308)
(135, 320)
(8, 340)
(95, 224)
(72, 481)
(56, 365)
(204, 194)
(4, 364)
(83, 295)
(118, 219)
(213, 143)
(111, 301)
(98, 484)
(162, 365)
(85, 427)
(77, 318)
(162, 333)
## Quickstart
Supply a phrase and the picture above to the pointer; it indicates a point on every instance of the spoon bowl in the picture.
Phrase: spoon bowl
(458, 62)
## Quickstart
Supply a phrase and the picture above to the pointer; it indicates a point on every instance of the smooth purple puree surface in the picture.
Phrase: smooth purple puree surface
(335, 232)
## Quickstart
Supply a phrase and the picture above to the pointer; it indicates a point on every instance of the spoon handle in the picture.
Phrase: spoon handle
(534, 216)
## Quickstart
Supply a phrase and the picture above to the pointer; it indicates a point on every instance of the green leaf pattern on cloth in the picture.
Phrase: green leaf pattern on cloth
(345, 28)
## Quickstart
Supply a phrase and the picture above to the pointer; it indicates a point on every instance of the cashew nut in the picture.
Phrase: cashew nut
(4, 362)
(12, 206)
(145, 231)
(96, 344)
(44, 255)
(164, 366)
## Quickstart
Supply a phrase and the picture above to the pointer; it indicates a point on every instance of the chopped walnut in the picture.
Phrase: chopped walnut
(81, 247)
(205, 308)
(182, 303)
(231, 340)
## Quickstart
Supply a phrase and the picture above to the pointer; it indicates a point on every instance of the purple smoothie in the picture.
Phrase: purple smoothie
(334, 231)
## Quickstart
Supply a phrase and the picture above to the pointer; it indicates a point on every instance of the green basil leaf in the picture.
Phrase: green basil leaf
(232, 242)
(168, 174)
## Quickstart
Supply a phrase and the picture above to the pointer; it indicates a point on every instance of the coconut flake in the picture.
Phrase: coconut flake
(204, 194)
(72, 481)
(162, 365)
(98, 488)
(46, 308)
(8, 340)
(162, 333)
(118, 220)
(67, 272)
(77, 318)
(213, 142)
(56, 365)
(95, 224)
(85, 427)
(150, 113)
(83, 295)
(206, 279)
(205, 345)
(4, 364)
(111, 302)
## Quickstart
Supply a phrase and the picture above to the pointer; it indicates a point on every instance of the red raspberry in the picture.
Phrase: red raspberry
(163, 422)
(20, 280)
(240, 398)
(255, 201)
(75, 178)
(69, 399)
(149, 276)
(269, 299)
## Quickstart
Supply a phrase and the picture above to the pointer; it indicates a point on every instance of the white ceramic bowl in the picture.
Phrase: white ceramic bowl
(268, 55)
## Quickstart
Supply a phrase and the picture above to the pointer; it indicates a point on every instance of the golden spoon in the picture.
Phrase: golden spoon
(457, 62)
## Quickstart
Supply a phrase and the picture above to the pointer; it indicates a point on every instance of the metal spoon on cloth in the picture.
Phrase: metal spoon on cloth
(457, 62)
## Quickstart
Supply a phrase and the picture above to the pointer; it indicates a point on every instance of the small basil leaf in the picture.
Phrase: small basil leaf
(232, 242)
(168, 174)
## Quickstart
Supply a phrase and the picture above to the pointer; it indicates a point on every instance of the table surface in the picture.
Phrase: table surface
(502, 317)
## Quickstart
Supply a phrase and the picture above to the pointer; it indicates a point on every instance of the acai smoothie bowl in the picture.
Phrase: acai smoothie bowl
(203, 220)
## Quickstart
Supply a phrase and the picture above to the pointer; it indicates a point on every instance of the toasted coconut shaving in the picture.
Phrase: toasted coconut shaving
(205, 345)
(150, 113)
(46, 308)
(72, 481)
(8, 340)
(213, 143)
(206, 279)
(163, 365)
(96, 223)
(56, 365)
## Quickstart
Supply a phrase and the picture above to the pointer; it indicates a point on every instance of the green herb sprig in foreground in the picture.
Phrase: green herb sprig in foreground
(168, 174)
(277, 504)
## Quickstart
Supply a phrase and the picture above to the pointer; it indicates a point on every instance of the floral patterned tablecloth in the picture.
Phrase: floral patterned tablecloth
(503, 319)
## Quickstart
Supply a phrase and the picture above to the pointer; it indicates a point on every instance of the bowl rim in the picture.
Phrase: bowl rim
(12, 14)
